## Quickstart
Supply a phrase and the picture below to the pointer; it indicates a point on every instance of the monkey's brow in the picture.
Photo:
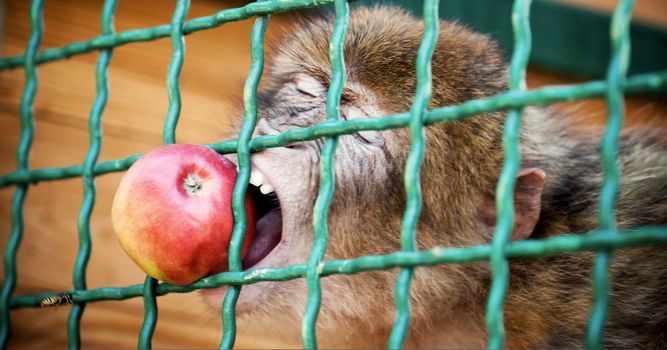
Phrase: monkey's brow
(349, 96)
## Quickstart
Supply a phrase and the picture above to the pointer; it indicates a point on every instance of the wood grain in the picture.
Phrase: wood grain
(215, 67)
(216, 64)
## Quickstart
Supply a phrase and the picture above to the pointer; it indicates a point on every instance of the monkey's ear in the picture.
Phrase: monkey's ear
(527, 204)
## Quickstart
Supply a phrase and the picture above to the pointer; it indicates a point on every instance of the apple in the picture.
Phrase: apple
(173, 216)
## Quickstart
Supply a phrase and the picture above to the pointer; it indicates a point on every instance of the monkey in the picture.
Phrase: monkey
(557, 190)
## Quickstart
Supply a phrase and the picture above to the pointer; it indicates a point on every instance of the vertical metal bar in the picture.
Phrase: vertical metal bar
(22, 162)
(241, 185)
(150, 314)
(507, 179)
(413, 170)
(327, 178)
(95, 139)
(174, 71)
(168, 136)
(616, 72)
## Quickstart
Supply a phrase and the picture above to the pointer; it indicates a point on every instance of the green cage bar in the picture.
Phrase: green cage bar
(604, 240)
(327, 178)
(168, 136)
(153, 33)
(507, 180)
(641, 83)
(241, 186)
(23, 163)
(567, 37)
(618, 67)
(150, 313)
(174, 71)
(413, 170)
(435, 256)
(85, 212)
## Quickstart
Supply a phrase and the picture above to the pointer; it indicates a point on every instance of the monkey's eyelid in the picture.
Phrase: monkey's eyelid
(370, 138)
(359, 137)
(304, 92)
(309, 86)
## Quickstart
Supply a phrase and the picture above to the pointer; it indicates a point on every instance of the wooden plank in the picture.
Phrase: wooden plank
(132, 123)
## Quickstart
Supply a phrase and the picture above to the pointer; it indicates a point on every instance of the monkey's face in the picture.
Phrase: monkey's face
(364, 216)
(368, 205)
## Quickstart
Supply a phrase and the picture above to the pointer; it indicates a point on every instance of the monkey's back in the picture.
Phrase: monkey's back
(550, 300)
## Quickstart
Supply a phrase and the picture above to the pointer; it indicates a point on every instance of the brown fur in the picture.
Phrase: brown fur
(549, 299)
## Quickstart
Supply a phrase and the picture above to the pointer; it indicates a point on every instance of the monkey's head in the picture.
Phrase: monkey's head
(458, 176)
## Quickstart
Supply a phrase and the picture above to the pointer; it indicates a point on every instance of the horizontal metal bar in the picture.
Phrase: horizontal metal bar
(592, 241)
(644, 83)
(161, 31)
(578, 47)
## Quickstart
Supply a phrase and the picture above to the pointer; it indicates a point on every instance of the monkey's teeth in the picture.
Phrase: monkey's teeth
(256, 178)
(259, 180)
(266, 189)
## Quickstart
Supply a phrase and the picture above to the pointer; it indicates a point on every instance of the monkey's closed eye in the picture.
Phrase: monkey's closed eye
(363, 137)
(305, 93)
(360, 138)
(369, 138)
(308, 86)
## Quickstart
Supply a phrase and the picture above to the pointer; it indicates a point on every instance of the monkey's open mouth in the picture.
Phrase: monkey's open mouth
(268, 232)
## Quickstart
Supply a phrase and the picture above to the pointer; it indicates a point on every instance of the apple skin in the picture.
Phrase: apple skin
(173, 216)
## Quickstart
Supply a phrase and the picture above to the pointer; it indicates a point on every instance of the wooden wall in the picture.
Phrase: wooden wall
(215, 68)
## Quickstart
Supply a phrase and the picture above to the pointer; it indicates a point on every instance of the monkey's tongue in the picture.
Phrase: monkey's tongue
(267, 237)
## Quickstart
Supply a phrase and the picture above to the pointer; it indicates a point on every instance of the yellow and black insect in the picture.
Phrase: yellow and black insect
(58, 300)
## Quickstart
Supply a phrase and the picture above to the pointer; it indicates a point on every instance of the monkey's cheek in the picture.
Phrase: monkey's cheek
(252, 296)
(214, 297)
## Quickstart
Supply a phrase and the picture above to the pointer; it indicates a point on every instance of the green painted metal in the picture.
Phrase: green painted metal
(507, 180)
(327, 178)
(413, 170)
(567, 37)
(435, 256)
(150, 313)
(161, 31)
(168, 137)
(22, 162)
(86, 210)
(498, 252)
(618, 67)
(642, 83)
(239, 193)
(174, 70)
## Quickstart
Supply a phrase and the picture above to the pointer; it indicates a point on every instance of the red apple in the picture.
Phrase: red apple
(173, 215)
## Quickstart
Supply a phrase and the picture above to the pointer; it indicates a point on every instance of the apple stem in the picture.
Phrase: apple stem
(192, 184)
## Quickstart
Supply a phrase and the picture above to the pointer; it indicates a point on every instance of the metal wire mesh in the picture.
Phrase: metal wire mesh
(604, 240)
